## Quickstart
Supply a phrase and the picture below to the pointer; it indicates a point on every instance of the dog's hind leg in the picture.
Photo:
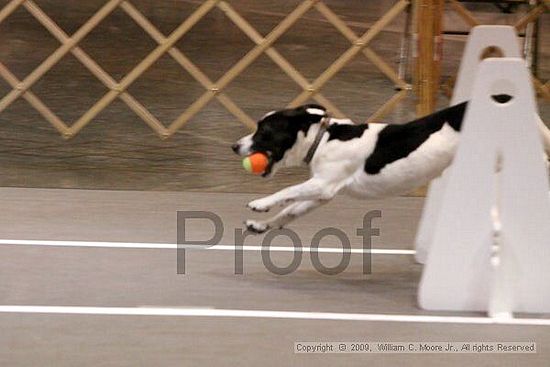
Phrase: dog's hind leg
(284, 217)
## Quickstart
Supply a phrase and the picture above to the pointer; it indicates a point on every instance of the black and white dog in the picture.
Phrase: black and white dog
(366, 161)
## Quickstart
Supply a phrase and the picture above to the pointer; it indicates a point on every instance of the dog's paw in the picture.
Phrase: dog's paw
(255, 226)
(259, 205)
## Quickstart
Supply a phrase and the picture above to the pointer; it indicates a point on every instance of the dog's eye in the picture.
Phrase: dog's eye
(266, 135)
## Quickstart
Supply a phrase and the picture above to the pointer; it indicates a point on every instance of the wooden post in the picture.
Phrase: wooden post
(429, 41)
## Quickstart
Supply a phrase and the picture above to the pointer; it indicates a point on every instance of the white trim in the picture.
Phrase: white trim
(206, 312)
(172, 246)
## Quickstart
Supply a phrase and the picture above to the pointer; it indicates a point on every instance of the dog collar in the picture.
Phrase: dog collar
(317, 141)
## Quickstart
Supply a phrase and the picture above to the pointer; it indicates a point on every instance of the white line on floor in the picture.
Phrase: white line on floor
(171, 246)
(206, 312)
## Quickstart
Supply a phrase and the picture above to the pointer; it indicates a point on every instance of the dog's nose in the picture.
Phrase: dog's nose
(235, 148)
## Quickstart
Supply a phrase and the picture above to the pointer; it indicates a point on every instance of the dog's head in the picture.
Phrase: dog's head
(278, 135)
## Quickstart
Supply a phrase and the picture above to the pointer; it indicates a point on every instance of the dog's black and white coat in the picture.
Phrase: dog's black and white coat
(366, 161)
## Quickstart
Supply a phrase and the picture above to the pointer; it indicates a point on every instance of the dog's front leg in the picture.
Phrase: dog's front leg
(312, 189)
(284, 217)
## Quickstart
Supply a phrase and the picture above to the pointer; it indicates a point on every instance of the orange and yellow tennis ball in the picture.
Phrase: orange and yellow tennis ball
(256, 163)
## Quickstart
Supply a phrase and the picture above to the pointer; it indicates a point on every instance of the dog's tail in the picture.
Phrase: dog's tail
(544, 134)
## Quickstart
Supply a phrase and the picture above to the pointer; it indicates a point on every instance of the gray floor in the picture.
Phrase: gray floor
(114, 277)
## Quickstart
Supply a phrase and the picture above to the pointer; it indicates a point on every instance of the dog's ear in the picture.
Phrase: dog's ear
(307, 110)
(314, 106)
(315, 111)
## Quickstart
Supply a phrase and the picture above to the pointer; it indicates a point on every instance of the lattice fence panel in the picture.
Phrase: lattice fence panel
(213, 89)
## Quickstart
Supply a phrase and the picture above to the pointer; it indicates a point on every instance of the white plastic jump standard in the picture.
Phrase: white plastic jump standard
(491, 243)
(480, 38)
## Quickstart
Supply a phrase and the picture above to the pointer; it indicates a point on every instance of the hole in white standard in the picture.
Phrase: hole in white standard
(502, 91)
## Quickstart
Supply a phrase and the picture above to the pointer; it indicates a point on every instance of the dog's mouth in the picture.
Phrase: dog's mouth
(271, 162)
(267, 172)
